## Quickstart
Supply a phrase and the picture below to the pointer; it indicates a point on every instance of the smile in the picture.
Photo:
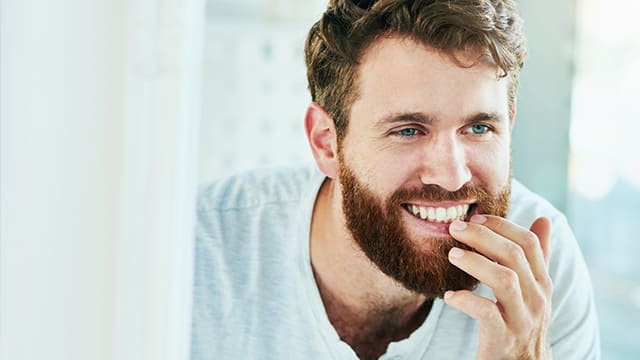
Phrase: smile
(438, 214)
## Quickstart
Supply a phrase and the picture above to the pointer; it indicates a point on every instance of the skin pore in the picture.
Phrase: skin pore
(421, 120)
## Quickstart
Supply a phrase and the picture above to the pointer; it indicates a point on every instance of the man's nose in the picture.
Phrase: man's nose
(446, 164)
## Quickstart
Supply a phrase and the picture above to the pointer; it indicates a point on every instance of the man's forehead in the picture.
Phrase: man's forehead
(399, 75)
(396, 67)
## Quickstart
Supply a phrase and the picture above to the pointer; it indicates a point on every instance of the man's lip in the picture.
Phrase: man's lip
(423, 228)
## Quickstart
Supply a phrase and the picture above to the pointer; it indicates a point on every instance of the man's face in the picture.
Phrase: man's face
(428, 142)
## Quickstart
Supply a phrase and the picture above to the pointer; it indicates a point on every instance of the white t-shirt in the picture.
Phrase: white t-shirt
(255, 296)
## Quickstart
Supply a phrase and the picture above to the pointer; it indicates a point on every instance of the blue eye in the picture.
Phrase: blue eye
(407, 132)
(479, 129)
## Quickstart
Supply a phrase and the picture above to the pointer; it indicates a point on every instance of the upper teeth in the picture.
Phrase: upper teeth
(440, 214)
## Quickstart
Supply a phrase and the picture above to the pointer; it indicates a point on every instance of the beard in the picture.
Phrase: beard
(420, 265)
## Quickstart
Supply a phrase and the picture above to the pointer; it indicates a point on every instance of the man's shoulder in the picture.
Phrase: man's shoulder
(257, 187)
(241, 210)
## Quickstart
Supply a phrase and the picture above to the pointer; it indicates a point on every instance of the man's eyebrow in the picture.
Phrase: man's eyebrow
(419, 118)
(491, 117)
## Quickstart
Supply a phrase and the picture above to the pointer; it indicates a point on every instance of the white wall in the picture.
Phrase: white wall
(255, 85)
(98, 117)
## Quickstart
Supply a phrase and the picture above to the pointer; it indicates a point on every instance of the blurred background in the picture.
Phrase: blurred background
(113, 113)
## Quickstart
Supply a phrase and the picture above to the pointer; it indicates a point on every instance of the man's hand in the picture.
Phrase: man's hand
(512, 261)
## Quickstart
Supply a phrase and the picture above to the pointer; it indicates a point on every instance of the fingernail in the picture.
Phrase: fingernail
(456, 253)
(478, 219)
(448, 294)
(458, 225)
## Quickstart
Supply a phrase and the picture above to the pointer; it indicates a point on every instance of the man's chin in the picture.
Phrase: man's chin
(470, 284)
(431, 244)
(432, 274)
(425, 245)
(461, 283)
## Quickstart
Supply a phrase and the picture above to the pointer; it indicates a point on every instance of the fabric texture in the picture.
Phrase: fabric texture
(255, 296)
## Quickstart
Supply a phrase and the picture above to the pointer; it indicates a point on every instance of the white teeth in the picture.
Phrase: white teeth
(431, 212)
(440, 214)
(452, 213)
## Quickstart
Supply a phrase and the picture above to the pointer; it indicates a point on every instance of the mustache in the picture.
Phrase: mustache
(434, 193)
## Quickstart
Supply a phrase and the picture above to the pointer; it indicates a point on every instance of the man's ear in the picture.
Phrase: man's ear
(321, 133)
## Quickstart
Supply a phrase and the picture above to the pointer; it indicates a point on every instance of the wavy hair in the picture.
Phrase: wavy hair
(336, 43)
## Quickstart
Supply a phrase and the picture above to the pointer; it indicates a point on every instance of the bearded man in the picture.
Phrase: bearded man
(409, 239)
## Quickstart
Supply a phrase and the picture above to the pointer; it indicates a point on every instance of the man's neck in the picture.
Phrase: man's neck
(366, 307)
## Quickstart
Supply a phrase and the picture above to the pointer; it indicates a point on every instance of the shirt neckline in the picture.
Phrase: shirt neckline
(412, 347)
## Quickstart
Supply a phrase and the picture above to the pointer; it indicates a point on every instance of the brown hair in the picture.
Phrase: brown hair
(338, 40)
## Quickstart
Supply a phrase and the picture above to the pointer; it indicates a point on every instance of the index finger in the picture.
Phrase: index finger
(528, 240)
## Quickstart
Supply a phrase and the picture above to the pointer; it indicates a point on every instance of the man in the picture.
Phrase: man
(412, 241)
